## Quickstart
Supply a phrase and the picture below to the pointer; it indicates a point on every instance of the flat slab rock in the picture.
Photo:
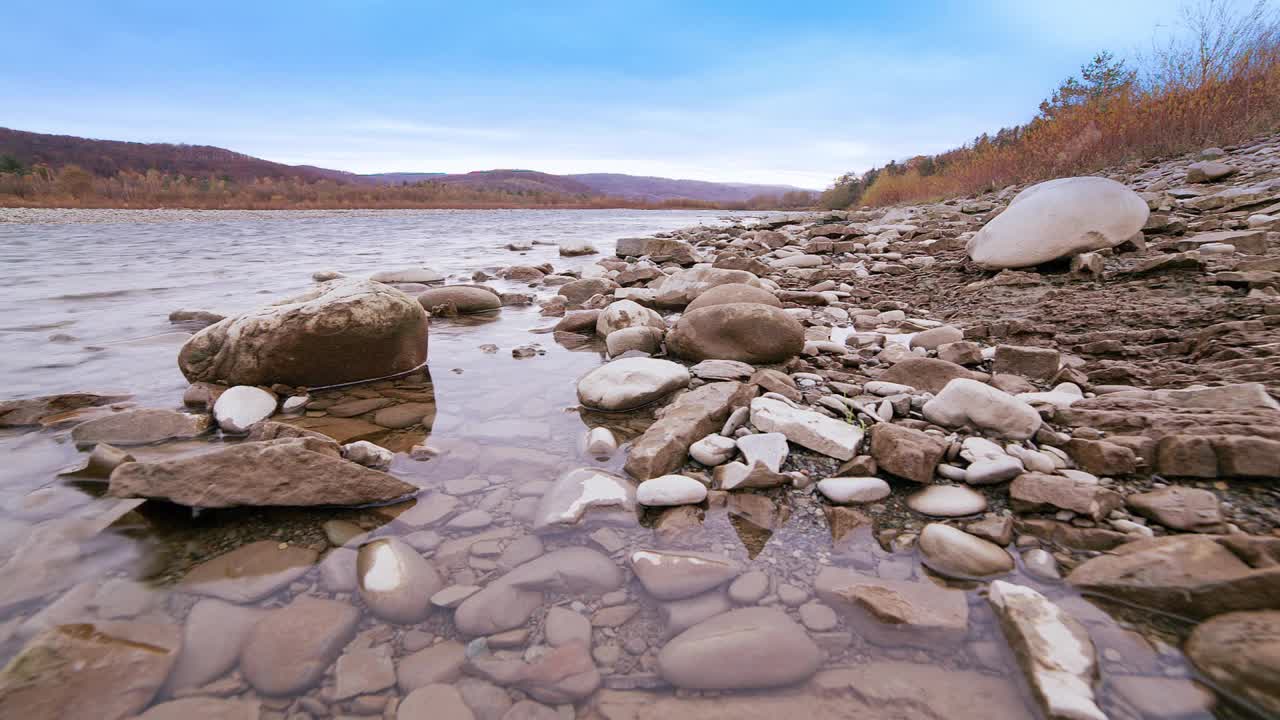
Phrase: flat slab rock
(289, 472)
(807, 428)
(142, 426)
(103, 671)
(250, 572)
(895, 612)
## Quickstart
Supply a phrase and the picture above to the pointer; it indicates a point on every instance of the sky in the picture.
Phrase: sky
(766, 92)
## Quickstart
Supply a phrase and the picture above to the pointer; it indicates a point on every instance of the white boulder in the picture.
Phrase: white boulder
(1059, 218)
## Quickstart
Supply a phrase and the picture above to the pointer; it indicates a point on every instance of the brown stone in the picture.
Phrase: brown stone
(926, 374)
(21, 413)
(1101, 457)
(733, 293)
(774, 381)
(250, 572)
(103, 671)
(664, 447)
(895, 612)
(1192, 575)
(1032, 492)
(1035, 363)
(746, 332)
(142, 426)
(1240, 651)
(337, 332)
(1180, 508)
(907, 453)
(291, 472)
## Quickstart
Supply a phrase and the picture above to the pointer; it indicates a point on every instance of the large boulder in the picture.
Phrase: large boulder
(459, 300)
(288, 472)
(747, 332)
(734, 293)
(338, 332)
(630, 383)
(1059, 218)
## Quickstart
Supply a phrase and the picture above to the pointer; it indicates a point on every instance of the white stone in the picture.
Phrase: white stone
(713, 450)
(295, 404)
(969, 402)
(670, 490)
(768, 448)
(974, 449)
(624, 314)
(242, 406)
(576, 247)
(630, 383)
(363, 452)
(947, 501)
(955, 553)
(1032, 460)
(809, 429)
(845, 490)
(992, 470)
(565, 503)
(1059, 218)
(395, 581)
(601, 443)
(407, 275)
(1061, 396)
(1053, 648)
(798, 261)
(884, 389)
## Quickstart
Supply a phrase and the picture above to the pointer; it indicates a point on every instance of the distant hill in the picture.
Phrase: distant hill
(400, 178)
(106, 158)
(656, 189)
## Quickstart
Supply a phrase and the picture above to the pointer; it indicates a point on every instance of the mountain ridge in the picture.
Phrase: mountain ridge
(105, 158)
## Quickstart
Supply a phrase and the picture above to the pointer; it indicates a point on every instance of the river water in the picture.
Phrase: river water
(84, 300)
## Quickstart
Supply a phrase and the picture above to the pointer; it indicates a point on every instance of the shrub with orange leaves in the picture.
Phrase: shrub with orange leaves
(1218, 84)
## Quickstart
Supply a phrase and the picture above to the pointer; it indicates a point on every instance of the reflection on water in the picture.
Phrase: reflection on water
(496, 433)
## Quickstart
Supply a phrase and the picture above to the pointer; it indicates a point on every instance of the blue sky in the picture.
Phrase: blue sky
(745, 91)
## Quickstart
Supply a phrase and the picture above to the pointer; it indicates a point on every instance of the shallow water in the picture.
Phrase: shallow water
(84, 299)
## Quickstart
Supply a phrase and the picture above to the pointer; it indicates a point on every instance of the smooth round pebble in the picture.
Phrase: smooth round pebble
(947, 501)
(845, 490)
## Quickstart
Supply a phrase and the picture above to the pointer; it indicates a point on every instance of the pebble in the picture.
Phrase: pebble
(749, 587)
(854, 490)
(670, 490)
(947, 501)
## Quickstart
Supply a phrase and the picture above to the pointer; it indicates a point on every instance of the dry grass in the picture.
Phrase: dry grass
(1218, 83)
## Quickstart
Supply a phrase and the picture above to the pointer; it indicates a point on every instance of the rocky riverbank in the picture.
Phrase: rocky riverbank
(996, 457)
